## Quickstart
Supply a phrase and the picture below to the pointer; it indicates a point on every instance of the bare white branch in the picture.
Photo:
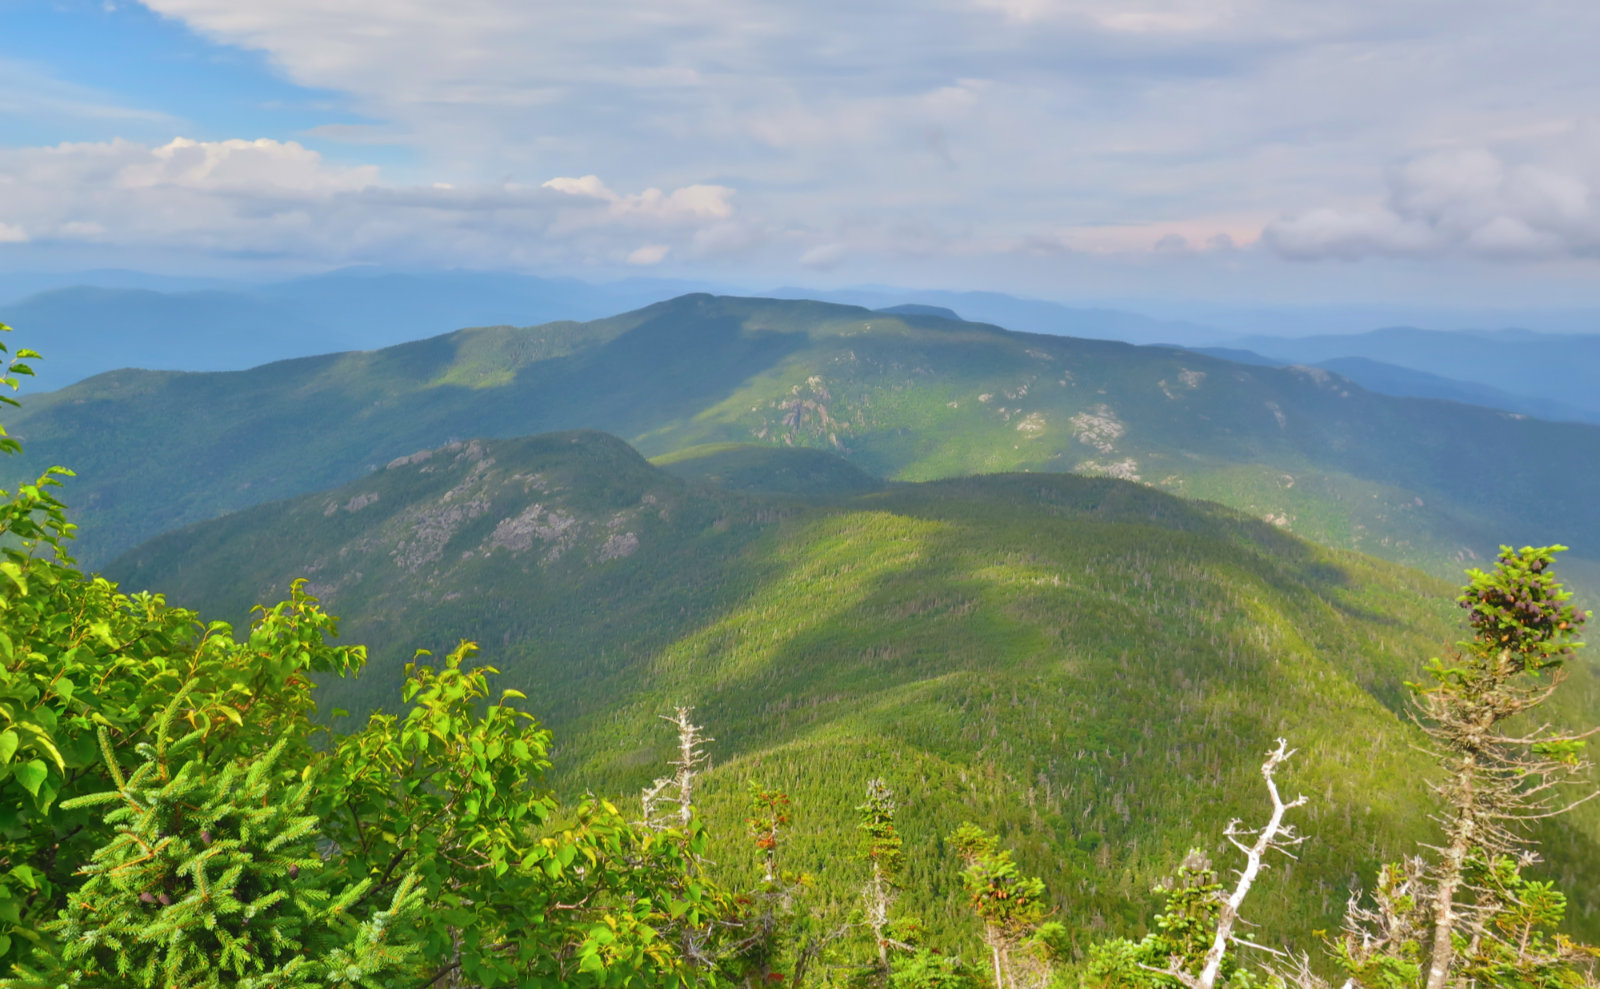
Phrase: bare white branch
(1275, 835)
(677, 789)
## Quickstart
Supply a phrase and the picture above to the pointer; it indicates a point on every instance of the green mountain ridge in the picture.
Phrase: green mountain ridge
(1091, 665)
(902, 397)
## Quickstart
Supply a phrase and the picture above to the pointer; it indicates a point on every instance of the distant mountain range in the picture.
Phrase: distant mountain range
(1558, 368)
(1391, 379)
(907, 397)
(117, 319)
(84, 330)
(196, 325)
(1023, 315)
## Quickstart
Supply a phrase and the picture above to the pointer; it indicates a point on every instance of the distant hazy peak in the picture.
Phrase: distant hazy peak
(918, 309)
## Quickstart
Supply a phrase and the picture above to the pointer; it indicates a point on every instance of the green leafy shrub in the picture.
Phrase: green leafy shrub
(252, 845)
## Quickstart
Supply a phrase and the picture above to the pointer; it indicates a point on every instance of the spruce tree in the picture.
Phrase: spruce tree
(1010, 904)
(1470, 916)
(213, 879)
(1496, 782)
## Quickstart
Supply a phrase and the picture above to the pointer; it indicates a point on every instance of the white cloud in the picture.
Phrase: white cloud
(589, 185)
(692, 202)
(11, 234)
(279, 198)
(649, 254)
(1133, 16)
(1347, 234)
(824, 256)
(1470, 202)
(249, 167)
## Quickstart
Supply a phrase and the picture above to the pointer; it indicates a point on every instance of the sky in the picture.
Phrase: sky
(1429, 151)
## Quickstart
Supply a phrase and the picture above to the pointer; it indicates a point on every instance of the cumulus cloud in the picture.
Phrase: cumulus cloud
(1470, 202)
(649, 254)
(691, 203)
(1348, 234)
(241, 167)
(280, 198)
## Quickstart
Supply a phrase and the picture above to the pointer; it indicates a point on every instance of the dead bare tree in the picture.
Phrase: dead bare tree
(676, 792)
(883, 849)
(1376, 933)
(668, 805)
(1275, 835)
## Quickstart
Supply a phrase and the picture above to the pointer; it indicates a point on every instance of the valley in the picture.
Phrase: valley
(1089, 664)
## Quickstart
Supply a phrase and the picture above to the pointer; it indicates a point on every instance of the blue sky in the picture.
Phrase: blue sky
(81, 71)
(1281, 150)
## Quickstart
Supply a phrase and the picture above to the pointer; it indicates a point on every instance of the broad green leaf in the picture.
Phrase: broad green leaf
(31, 774)
(42, 738)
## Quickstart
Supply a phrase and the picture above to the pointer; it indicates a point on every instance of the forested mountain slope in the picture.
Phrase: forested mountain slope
(902, 397)
(1092, 665)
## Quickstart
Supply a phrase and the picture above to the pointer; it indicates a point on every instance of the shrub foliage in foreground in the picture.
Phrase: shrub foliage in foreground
(172, 815)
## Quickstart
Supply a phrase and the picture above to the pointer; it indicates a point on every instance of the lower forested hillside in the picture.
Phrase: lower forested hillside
(1090, 666)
